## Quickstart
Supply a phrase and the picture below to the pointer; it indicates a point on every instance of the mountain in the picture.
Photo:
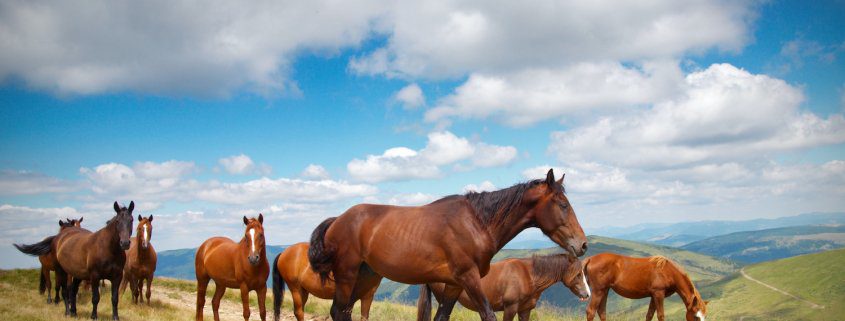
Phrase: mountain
(679, 234)
(771, 244)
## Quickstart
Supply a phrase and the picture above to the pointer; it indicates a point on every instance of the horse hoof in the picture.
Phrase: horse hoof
(93, 317)
(116, 318)
(49, 301)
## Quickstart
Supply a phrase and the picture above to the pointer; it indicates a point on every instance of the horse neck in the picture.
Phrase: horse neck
(684, 286)
(109, 235)
(515, 222)
(544, 278)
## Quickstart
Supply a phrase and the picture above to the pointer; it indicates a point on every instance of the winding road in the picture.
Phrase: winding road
(811, 304)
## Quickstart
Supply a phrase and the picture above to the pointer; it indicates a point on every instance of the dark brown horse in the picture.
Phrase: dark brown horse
(240, 265)
(636, 278)
(140, 261)
(47, 265)
(515, 285)
(84, 255)
(451, 240)
(292, 267)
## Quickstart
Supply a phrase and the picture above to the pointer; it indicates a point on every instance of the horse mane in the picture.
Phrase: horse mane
(659, 261)
(493, 207)
(548, 269)
(112, 220)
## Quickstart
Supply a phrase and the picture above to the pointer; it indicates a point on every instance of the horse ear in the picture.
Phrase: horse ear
(246, 221)
(706, 302)
(116, 207)
(550, 177)
(131, 206)
(151, 217)
(80, 219)
(61, 223)
(261, 218)
(560, 181)
(694, 302)
(139, 217)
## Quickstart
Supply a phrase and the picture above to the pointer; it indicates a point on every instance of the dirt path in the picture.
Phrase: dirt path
(229, 311)
(811, 304)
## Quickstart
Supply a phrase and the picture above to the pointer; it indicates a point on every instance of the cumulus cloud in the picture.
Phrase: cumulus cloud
(313, 171)
(266, 189)
(411, 199)
(243, 165)
(485, 186)
(402, 163)
(144, 180)
(28, 182)
(410, 96)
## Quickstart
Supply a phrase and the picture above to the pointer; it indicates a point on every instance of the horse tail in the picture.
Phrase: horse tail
(424, 303)
(42, 282)
(320, 256)
(278, 289)
(36, 249)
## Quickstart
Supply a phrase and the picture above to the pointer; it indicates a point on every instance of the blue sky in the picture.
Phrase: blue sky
(663, 112)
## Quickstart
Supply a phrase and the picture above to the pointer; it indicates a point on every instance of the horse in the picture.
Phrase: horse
(636, 278)
(140, 261)
(84, 255)
(240, 265)
(47, 265)
(515, 285)
(451, 240)
(292, 267)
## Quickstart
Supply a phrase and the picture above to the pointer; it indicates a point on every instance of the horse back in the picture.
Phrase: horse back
(72, 247)
(217, 258)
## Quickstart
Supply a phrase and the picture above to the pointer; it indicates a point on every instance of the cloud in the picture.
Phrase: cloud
(410, 96)
(451, 39)
(585, 177)
(313, 171)
(243, 165)
(144, 180)
(724, 114)
(402, 163)
(27, 183)
(158, 47)
(265, 189)
(485, 186)
(411, 199)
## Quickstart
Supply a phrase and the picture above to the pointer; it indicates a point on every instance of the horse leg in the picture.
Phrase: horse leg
(658, 303)
(651, 308)
(262, 297)
(45, 277)
(300, 296)
(366, 302)
(74, 289)
(245, 301)
(140, 282)
(95, 298)
(525, 315)
(61, 278)
(603, 308)
(346, 275)
(510, 312)
(215, 301)
(444, 307)
(115, 293)
(149, 288)
(595, 300)
(202, 286)
(365, 285)
(471, 282)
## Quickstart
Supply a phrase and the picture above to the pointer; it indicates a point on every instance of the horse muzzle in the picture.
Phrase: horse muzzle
(124, 245)
(253, 260)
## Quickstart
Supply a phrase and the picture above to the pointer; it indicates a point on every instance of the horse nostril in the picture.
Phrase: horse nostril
(584, 247)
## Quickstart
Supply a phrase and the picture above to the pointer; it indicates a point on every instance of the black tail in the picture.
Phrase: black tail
(42, 282)
(278, 289)
(36, 249)
(424, 303)
(320, 256)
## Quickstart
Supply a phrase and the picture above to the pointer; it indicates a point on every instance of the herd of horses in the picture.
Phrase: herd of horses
(446, 247)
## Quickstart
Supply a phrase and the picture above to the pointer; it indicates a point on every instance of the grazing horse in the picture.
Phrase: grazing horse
(292, 267)
(636, 278)
(451, 240)
(515, 285)
(240, 265)
(47, 265)
(84, 255)
(140, 261)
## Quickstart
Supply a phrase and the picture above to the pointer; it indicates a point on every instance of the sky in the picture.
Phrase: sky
(204, 112)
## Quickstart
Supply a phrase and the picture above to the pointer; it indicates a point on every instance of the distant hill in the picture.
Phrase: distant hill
(771, 244)
(687, 232)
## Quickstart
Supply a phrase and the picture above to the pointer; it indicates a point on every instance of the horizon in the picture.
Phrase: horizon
(659, 113)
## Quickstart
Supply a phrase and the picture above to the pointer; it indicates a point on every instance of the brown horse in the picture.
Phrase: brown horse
(451, 240)
(292, 267)
(47, 265)
(84, 255)
(515, 285)
(636, 278)
(140, 261)
(240, 265)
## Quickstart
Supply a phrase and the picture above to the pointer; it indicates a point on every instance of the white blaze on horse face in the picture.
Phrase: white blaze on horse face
(700, 315)
(146, 233)
(252, 237)
(586, 285)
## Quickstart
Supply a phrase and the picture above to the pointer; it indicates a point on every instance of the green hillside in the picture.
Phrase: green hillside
(771, 244)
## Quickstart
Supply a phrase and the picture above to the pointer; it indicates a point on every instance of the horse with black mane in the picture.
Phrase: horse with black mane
(84, 255)
(47, 265)
(451, 241)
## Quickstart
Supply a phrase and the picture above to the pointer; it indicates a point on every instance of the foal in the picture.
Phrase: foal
(636, 278)
(515, 285)
(48, 264)
(240, 265)
(140, 261)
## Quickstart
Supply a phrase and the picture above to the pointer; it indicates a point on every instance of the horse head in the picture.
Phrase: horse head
(575, 279)
(254, 234)
(70, 223)
(556, 217)
(123, 223)
(697, 308)
(144, 231)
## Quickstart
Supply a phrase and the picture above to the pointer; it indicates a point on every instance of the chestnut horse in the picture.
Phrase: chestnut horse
(451, 240)
(636, 278)
(47, 265)
(240, 265)
(84, 255)
(140, 261)
(515, 285)
(292, 267)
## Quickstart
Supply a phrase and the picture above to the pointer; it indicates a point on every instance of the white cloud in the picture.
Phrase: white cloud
(451, 39)
(243, 165)
(411, 199)
(585, 177)
(160, 47)
(402, 163)
(27, 182)
(313, 171)
(410, 96)
(144, 180)
(485, 186)
(265, 189)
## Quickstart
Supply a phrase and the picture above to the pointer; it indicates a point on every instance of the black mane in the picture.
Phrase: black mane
(494, 207)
